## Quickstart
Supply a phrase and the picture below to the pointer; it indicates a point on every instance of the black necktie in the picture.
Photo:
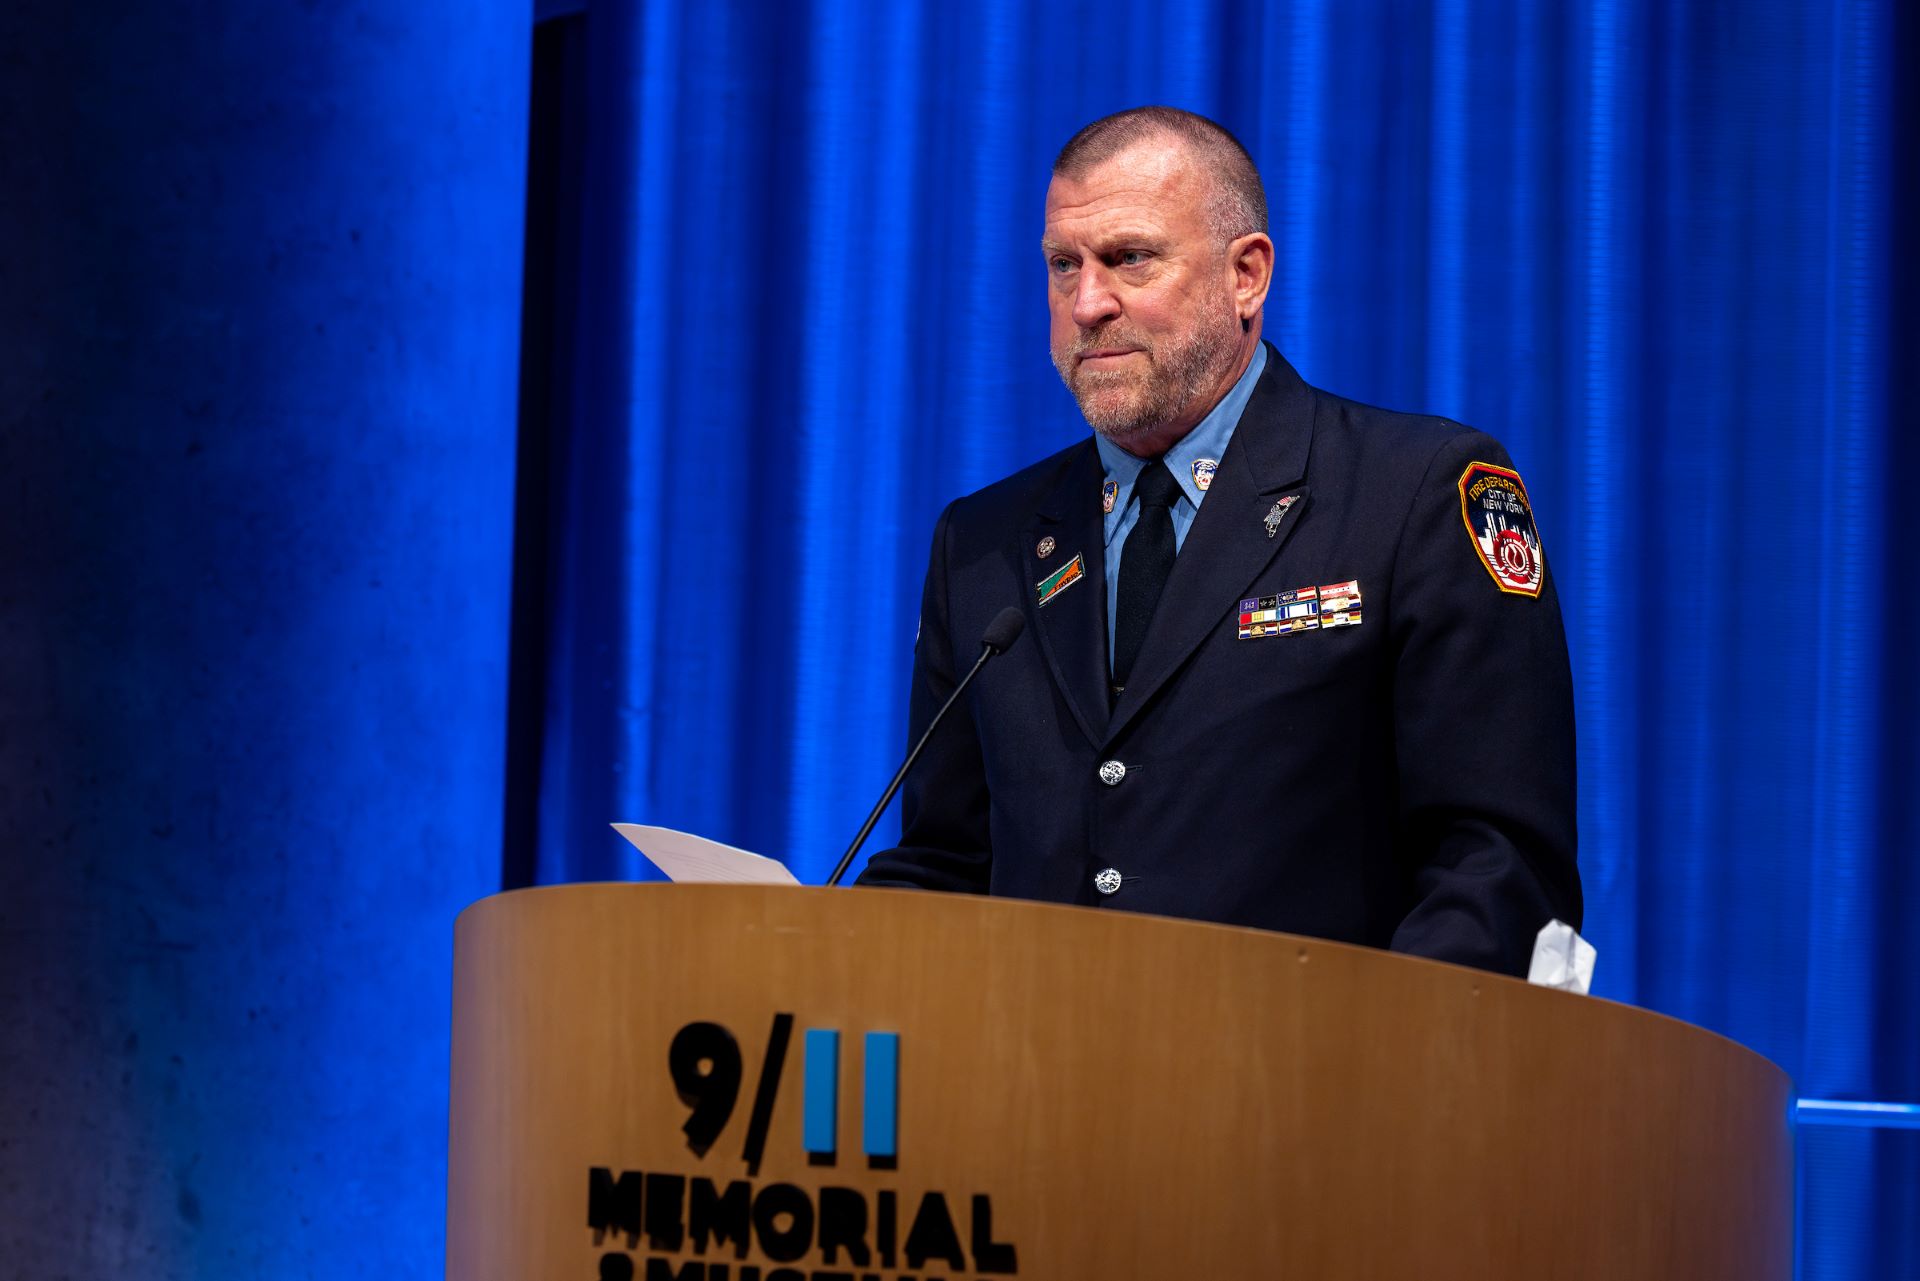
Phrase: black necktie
(1145, 561)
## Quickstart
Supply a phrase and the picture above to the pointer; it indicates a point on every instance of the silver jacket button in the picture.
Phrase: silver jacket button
(1111, 772)
(1107, 881)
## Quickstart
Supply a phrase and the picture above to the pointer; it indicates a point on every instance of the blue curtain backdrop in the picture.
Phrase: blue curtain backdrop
(1663, 250)
(259, 295)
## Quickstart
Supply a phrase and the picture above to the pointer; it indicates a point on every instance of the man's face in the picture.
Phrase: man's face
(1145, 330)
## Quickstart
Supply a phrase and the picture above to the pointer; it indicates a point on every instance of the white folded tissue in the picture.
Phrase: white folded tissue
(1562, 959)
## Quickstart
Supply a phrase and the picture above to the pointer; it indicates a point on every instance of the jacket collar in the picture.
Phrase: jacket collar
(1256, 501)
(1227, 548)
(1071, 627)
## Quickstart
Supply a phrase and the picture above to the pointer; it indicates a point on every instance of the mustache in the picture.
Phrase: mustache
(1106, 339)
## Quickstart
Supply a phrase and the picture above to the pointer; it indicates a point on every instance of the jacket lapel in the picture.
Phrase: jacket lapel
(1072, 625)
(1229, 544)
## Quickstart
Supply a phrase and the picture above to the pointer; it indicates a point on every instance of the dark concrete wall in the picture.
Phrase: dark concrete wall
(259, 281)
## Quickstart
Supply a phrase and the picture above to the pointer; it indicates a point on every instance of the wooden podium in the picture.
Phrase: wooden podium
(721, 1083)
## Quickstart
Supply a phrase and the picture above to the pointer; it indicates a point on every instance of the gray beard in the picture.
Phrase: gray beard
(1178, 373)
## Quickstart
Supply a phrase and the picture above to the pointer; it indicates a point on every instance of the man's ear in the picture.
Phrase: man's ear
(1251, 257)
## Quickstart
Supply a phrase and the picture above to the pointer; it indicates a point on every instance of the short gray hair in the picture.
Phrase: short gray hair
(1237, 205)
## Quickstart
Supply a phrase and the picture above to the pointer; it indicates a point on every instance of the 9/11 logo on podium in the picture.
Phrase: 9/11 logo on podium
(690, 1220)
(706, 1065)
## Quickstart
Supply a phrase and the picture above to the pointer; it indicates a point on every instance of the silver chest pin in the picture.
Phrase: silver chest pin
(1045, 547)
(1278, 513)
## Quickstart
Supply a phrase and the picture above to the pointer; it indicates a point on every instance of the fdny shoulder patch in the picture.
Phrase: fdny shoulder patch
(1499, 520)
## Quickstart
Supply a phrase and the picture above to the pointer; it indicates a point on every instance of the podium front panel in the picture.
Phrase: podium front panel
(718, 1083)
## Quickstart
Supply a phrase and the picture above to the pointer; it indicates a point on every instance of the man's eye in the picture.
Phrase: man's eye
(1061, 265)
(1132, 257)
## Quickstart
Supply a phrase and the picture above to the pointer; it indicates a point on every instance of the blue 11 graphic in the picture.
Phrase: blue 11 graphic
(707, 1069)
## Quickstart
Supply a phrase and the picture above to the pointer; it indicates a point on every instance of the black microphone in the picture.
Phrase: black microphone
(1000, 635)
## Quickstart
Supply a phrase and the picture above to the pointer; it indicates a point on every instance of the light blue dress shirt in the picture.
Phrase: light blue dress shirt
(1207, 440)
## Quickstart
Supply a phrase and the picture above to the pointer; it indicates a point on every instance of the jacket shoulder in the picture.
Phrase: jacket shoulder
(1390, 442)
(1009, 504)
(1392, 430)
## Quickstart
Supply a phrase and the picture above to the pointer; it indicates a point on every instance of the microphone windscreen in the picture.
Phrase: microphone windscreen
(1004, 630)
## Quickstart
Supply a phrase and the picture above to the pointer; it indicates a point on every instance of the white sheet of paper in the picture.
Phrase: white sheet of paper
(687, 858)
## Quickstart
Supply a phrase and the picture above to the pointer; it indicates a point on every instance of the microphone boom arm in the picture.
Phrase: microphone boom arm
(987, 650)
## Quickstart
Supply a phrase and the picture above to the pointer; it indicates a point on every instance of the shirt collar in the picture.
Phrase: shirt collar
(1207, 440)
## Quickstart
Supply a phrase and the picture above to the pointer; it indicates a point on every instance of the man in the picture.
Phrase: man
(1294, 662)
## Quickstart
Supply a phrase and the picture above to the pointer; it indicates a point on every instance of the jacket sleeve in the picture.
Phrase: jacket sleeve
(1483, 720)
(944, 837)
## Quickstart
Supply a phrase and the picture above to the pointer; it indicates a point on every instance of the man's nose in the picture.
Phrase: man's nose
(1094, 302)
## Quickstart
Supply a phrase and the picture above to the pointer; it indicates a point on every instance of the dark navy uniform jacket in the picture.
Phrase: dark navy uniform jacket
(1405, 780)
